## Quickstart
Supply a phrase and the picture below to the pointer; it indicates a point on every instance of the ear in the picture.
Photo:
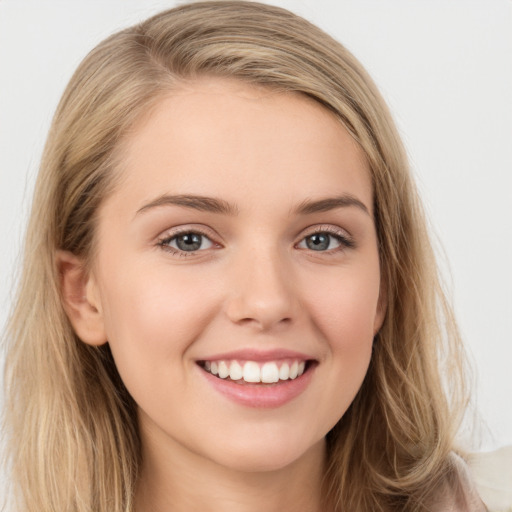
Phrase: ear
(81, 299)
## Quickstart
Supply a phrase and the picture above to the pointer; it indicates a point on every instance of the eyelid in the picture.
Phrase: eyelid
(326, 228)
(346, 239)
(188, 228)
(171, 233)
(343, 235)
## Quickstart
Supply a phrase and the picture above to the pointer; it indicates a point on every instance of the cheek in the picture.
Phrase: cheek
(151, 301)
(153, 317)
(344, 306)
(343, 311)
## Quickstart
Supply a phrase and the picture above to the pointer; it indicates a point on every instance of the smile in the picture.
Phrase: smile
(269, 372)
(261, 379)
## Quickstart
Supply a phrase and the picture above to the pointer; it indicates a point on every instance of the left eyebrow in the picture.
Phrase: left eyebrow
(330, 203)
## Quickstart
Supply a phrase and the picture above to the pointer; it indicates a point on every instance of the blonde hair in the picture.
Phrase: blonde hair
(72, 434)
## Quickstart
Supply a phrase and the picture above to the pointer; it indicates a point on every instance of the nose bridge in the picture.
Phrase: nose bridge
(261, 287)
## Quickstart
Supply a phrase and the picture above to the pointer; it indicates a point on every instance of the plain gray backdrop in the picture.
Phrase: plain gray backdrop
(444, 67)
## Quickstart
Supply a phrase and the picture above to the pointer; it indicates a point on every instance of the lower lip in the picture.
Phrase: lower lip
(260, 395)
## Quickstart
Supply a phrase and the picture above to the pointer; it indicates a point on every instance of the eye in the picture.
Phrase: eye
(323, 241)
(186, 241)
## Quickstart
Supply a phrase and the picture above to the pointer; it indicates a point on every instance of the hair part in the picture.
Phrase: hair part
(73, 441)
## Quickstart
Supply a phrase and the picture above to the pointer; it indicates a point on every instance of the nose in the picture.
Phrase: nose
(262, 292)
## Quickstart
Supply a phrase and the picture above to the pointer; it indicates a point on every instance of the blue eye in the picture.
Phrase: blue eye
(319, 242)
(324, 241)
(189, 241)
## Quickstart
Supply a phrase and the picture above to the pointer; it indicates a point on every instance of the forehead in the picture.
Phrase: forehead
(227, 138)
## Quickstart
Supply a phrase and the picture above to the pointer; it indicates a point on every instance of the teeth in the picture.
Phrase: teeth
(284, 372)
(269, 373)
(294, 368)
(251, 371)
(235, 371)
(223, 370)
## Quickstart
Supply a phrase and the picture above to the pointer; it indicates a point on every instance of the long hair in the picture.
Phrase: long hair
(72, 433)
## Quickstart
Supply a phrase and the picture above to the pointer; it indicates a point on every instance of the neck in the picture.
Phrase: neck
(182, 481)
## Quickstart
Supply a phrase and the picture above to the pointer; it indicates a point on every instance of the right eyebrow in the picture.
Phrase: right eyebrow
(202, 203)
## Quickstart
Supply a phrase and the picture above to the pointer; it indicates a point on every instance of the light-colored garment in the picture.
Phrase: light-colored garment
(458, 492)
(492, 474)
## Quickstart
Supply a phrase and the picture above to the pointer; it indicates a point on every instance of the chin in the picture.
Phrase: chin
(268, 455)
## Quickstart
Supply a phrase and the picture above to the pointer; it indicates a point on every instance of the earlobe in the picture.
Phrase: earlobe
(80, 299)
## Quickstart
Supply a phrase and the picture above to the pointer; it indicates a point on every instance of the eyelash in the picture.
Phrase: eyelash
(342, 237)
(166, 240)
(345, 241)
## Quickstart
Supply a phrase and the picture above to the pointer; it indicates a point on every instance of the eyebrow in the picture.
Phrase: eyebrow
(202, 203)
(214, 205)
(310, 206)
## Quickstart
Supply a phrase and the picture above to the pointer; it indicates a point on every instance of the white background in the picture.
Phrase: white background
(445, 68)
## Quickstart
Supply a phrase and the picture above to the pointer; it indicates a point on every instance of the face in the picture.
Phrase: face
(237, 274)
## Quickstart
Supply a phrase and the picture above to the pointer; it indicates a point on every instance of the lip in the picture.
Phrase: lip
(260, 395)
(258, 355)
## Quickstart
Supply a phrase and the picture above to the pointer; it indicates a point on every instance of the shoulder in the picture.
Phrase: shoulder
(492, 472)
(457, 492)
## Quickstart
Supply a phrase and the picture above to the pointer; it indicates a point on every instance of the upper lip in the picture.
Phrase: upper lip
(258, 355)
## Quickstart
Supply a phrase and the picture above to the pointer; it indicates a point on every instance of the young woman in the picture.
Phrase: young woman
(229, 300)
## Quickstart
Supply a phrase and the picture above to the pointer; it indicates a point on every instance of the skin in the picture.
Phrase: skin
(254, 284)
